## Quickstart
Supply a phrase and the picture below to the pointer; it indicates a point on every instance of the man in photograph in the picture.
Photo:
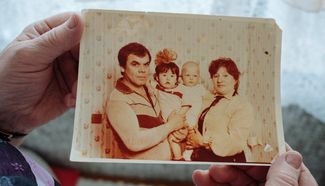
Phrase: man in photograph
(133, 110)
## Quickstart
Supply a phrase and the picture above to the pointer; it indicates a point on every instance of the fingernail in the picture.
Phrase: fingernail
(294, 160)
(195, 176)
(72, 22)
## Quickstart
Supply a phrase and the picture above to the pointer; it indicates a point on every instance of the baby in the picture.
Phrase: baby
(169, 93)
(195, 92)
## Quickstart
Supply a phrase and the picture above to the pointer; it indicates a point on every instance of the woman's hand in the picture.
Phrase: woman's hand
(194, 139)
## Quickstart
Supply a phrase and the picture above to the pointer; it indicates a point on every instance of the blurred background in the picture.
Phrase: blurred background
(302, 84)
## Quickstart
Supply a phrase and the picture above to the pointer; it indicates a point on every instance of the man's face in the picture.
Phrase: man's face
(137, 69)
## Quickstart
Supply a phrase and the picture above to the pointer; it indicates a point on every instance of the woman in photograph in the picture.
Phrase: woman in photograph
(134, 113)
(226, 119)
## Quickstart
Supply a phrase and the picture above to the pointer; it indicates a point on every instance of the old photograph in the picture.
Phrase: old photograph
(178, 88)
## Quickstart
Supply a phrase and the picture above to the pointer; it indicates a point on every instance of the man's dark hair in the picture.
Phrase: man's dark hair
(132, 48)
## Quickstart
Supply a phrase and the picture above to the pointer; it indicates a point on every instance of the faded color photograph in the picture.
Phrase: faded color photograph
(176, 88)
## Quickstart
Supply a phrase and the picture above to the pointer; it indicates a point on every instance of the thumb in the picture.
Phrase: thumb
(285, 170)
(61, 38)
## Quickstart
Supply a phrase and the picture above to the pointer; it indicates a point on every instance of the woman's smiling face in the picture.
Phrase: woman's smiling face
(223, 82)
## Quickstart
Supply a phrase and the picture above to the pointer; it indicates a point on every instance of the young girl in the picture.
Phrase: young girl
(169, 93)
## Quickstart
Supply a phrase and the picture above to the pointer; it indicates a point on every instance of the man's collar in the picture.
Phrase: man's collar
(122, 87)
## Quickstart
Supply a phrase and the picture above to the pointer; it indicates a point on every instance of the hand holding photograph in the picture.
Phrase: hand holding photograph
(178, 88)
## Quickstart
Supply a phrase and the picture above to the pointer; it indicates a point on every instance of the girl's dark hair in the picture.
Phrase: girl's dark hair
(164, 67)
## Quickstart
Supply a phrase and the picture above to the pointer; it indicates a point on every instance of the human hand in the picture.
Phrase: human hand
(194, 139)
(287, 170)
(38, 73)
(180, 134)
(176, 120)
(184, 109)
(171, 138)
